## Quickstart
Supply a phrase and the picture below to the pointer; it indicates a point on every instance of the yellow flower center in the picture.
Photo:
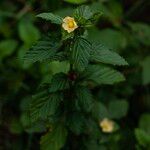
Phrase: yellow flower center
(71, 24)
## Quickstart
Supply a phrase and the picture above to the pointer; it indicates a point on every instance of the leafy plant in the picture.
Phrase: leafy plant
(67, 103)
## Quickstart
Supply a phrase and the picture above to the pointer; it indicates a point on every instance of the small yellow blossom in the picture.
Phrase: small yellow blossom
(107, 125)
(69, 24)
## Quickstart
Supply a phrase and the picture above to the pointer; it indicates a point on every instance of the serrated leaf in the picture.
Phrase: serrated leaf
(55, 139)
(84, 98)
(118, 109)
(59, 82)
(102, 54)
(51, 17)
(83, 12)
(42, 50)
(44, 105)
(101, 74)
(80, 53)
(99, 111)
(142, 137)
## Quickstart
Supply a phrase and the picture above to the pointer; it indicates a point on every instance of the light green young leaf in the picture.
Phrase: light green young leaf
(59, 82)
(42, 50)
(81, 53)
(28, 32)
(55, 139)
(7, 47)
(118, 109)
(101, 74)
(102, 54)
(44, 105)
(142, 137)
(76, 1)
(51, 17)
(144, 123)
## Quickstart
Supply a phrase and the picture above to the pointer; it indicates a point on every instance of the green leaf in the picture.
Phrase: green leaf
(102, 54)
(101, 74)
(92, 144)
(144, 123)
(118, 109)
(83, 12)
(29, 126)
(7, 47)
(44, 105)
(99, 111)
(111, 38)
(146, 71)
(76, 1)
(28, 32)
(43, 50)
(84, 98)
(15, 126)
(141, 32)
(80, 53)
(55, 139)
(53, 18)
(59, 82)
(142, 137)
(76, 123)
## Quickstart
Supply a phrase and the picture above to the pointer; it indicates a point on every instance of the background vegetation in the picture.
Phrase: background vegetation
(123, 27)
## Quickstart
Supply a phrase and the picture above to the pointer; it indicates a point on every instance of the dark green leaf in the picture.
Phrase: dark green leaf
(146, 71)
(55, 139)
(84, 98)
(141, 32)
(118, 109)
(102, 54)
(102, 74)
(43, 50)
(81, 53)
(59, 82)
(76, 123)
(44, 105)
(111, 38)
(83, 12)
(53, 18)
(99, 111)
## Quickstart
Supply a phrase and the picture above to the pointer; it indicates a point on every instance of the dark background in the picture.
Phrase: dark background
(124, 27)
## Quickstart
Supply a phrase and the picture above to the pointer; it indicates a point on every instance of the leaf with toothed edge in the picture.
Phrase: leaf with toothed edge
(81, 53)
(51, 17)
(102, 74)
(102, 54)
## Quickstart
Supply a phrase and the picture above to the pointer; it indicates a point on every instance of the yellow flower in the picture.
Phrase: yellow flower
(107, 125)
(69, 24)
